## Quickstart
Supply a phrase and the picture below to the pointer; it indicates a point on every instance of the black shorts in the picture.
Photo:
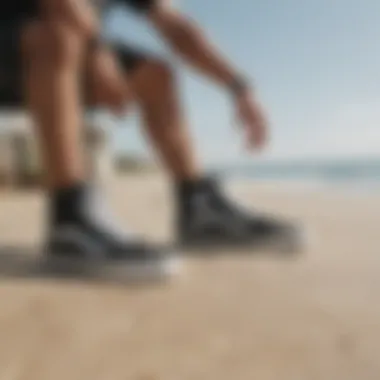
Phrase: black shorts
(11, 94)
(11, 88)
(131, 58)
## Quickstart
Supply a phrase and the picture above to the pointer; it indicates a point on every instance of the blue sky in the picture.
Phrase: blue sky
(316, 65)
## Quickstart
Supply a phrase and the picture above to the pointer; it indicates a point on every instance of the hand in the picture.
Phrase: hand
(108, 84)
(251, 118)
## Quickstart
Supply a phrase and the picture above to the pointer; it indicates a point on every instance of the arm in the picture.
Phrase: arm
(186, 39)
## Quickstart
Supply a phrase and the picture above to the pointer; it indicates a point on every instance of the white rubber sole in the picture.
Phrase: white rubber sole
(120, 271)
(294, 243)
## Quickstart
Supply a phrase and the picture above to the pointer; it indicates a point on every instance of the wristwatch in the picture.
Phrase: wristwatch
(239, 86)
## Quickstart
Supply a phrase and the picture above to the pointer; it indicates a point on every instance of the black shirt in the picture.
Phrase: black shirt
(19, 9)
(135, 5)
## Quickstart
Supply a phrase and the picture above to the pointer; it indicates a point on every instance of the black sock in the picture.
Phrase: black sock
(66, 204)
(188, 188)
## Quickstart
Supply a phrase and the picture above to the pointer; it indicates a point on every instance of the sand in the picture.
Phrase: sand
(316, 317)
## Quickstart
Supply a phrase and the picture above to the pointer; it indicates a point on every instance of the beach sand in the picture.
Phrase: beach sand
(314, 317)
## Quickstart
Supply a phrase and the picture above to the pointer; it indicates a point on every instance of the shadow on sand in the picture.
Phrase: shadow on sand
(30, 264)
(19, 262)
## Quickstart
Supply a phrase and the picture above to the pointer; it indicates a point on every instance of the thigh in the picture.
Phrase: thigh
(11, 94)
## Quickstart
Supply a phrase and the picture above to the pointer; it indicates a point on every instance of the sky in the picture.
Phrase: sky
(315, 65)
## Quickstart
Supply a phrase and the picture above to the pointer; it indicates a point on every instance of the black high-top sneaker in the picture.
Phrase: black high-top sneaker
(83, 235)
(208, 219)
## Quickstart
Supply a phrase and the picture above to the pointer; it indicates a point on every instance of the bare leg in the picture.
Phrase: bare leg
(211, 219)
(155, 89)
(78, 229)
(52, 56)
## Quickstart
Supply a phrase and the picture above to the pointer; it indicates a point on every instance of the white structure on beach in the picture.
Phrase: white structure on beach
(19, 155)
(99, 149)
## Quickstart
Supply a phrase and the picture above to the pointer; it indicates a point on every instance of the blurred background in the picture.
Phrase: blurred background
(316, 67)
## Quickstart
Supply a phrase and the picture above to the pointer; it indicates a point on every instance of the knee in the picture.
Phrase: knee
(50, 44)
(161, 73)
(157, 78)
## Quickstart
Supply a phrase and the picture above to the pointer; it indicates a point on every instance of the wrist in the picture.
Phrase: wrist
(239, 86)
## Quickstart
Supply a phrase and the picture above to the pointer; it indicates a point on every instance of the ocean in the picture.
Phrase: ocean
(363, 174)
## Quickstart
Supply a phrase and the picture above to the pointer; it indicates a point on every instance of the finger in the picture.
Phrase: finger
(259, 136)
(251, 139)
